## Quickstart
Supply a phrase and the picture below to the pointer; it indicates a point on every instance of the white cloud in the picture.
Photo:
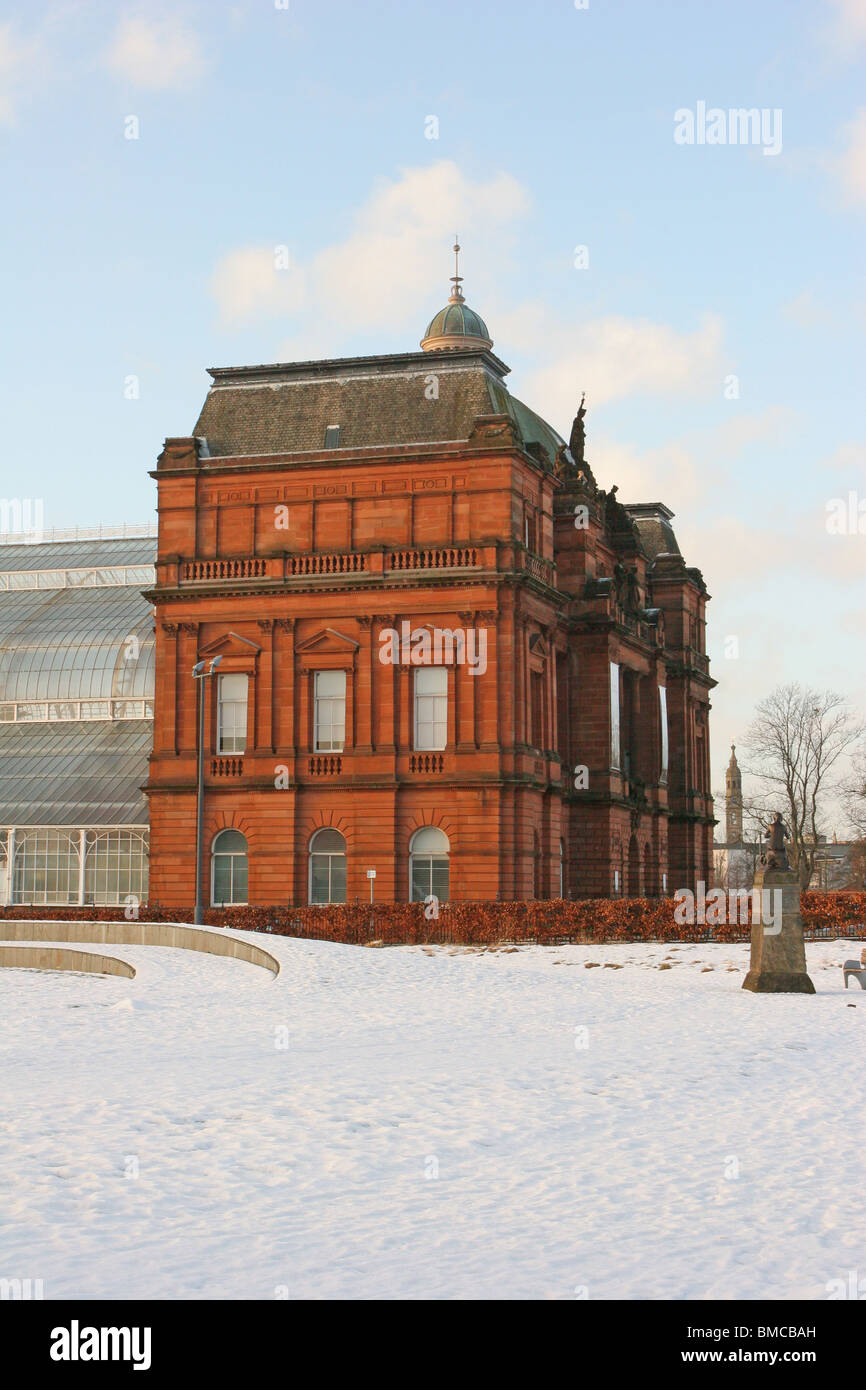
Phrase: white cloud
(19, 67)
(848, 461)
(849, 22)
(381, 272)
(157, 54)
(668, 474)
(850, 166)
(689, 472)
(805, 311)
(612, 357)
(255, 282)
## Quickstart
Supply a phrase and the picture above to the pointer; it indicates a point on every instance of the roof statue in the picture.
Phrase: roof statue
(577, 442)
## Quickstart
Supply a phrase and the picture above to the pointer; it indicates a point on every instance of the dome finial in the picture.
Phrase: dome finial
(456, 326)
(456, 296)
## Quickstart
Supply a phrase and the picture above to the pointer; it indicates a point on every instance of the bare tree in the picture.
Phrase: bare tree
(795, 744)
(854, 795)
(857, 866)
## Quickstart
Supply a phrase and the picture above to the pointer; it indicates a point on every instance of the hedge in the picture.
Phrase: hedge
(590, 920)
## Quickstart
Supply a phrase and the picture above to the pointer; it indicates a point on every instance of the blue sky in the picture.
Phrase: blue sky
(306, 128)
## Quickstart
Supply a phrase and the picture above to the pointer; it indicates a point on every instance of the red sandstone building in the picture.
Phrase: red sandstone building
(447, 654)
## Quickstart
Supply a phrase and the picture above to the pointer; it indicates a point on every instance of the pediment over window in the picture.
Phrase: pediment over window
(328, 642)
(230, 644)
(327, 650)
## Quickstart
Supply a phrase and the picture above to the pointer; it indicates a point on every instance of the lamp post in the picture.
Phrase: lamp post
(200, 674)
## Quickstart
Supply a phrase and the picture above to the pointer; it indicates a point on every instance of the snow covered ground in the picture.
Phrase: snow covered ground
(432, 1123)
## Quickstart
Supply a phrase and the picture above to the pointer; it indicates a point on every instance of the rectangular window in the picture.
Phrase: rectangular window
(431, 707)
(232, 714)
(332, 437)
(614, 716)
(330, 711)
(663, 716)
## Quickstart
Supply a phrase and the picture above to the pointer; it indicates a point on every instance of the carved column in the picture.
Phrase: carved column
(263, 736)
(165, 725)
(364, 687)
(187, 732)
(485, 731)
(405, 740)
(384, 731)
(464, 687)
(283, 675)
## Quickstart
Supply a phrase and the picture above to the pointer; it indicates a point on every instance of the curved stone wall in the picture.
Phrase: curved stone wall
(142, 934)
(63, 958)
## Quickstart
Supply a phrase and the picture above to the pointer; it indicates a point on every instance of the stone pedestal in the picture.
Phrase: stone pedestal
(778, 961)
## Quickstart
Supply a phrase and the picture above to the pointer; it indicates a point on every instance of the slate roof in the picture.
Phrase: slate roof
(653, 521)
(376, 401)
(86, 773)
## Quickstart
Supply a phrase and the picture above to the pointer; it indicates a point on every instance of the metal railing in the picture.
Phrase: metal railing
(128, 531)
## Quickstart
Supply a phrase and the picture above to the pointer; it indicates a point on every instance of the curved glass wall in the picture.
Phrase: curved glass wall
(63, 868)
(75, 644)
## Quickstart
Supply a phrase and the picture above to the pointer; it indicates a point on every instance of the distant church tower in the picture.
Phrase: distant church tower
(733, 801)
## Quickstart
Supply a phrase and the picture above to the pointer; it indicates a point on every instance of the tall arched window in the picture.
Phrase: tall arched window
(562, 868)
(649, 875)
(327, 867)
(228, 868)
(428, 857)
(633, 886)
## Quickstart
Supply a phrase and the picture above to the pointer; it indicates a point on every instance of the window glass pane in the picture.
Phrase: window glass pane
(338, 878)
(319, 878)
(420, 878)
(232, 714)
(330, 710)
(330, 682)
(222, 878)
(431, 680)
(430, 839)
(46, 867)
(440, 881)
(239, 878)
(115, 866)
(431, 707)
(614, 715)
(233, 687)
(328, 841)
(232, 840)
(327, 878)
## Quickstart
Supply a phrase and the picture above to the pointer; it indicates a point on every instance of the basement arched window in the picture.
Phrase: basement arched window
(228, 868)
(429, 851)
(327, 867)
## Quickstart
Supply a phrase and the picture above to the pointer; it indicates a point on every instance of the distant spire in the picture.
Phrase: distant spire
(734, 800)
(456, 296)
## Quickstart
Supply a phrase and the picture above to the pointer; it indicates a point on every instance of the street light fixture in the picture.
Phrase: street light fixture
(200, 674)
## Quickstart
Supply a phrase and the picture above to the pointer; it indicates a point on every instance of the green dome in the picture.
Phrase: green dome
(456, 326)
(457, 319)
